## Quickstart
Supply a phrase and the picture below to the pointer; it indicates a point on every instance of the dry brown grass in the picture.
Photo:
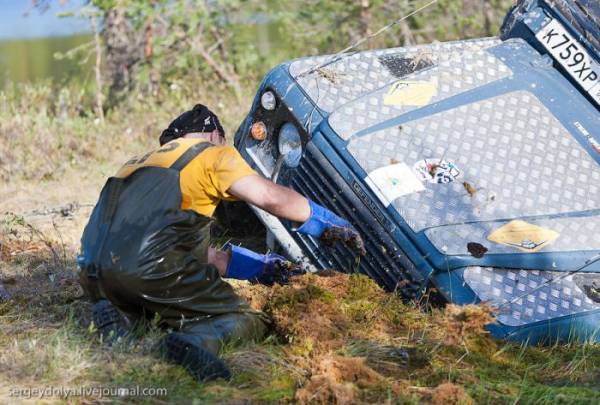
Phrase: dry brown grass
(463, 321)
(319, 316)
(337, 339)
(337, 380)
(49, 131)
(334, 339)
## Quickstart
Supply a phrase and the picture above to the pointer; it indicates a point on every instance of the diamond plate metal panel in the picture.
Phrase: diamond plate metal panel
(510, 148)
(453, 74)
(526, 296)
(576, 233)
(358, 74)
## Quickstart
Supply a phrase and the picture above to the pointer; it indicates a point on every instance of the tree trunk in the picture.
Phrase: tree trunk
(122, 53)
(365, 20)
(407, 34)
(98, 70)
(488, 17)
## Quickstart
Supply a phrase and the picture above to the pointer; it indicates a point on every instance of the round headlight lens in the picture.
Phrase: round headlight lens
(268, 101)
(258, 130)
(290, 144)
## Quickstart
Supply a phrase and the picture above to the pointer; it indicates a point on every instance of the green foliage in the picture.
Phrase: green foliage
(228, 45)
(232, 43)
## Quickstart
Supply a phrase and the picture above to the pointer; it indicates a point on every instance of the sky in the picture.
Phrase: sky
(18, 19)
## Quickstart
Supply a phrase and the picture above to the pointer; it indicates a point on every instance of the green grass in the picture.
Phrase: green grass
(45, 338)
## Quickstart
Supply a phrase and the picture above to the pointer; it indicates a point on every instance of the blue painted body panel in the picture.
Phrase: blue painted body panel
(532, 72)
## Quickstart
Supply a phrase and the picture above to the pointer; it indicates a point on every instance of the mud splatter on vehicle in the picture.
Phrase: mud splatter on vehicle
(434, 153)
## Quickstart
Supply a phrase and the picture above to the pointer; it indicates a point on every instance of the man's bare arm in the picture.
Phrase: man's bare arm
(219, 258)
(278, 200)
(273, 198)
(284, 202)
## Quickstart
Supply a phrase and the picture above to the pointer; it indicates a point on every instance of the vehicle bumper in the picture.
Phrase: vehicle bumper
(284, 238)
(533, 307)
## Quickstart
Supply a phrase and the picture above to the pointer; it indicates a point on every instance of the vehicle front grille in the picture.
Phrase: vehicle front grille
(384, 262)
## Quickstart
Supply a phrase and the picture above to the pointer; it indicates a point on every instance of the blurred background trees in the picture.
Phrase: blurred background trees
(83, 98)
(228, 45)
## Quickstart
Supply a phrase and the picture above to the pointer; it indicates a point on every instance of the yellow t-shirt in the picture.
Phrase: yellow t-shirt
(205, 180)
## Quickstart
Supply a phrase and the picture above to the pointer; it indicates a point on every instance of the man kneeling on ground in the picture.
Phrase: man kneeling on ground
(146, 248)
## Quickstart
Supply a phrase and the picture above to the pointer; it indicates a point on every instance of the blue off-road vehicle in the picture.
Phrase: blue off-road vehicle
(471, 168)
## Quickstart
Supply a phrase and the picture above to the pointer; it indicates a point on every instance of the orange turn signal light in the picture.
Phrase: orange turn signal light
(258, 131)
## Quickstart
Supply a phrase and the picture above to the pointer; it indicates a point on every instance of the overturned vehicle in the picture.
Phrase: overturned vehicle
(470, 167)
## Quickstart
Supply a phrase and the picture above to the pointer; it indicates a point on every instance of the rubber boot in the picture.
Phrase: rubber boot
(111, 324)
(199, 362)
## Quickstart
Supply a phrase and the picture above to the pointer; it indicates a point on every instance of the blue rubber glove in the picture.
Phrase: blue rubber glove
(244, 264)
(320, 220)
(330, 229)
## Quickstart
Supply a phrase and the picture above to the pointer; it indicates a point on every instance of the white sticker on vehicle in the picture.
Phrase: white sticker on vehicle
(437, 171)
(595, 144)
(393, 181)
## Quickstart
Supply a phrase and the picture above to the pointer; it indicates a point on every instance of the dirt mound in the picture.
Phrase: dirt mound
(342, 330)
(336, 380)
(450, 394)
(462, 322)
(355, 343)
(326, 311)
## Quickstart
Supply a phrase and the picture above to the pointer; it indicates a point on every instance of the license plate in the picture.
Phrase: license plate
(572, 56)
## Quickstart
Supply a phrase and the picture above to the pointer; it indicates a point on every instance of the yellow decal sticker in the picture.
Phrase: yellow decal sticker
(411, 93)
(523, 236)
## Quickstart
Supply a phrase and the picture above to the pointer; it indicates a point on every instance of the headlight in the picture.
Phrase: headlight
(290, 144)
(268, 101)
(258, 130)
